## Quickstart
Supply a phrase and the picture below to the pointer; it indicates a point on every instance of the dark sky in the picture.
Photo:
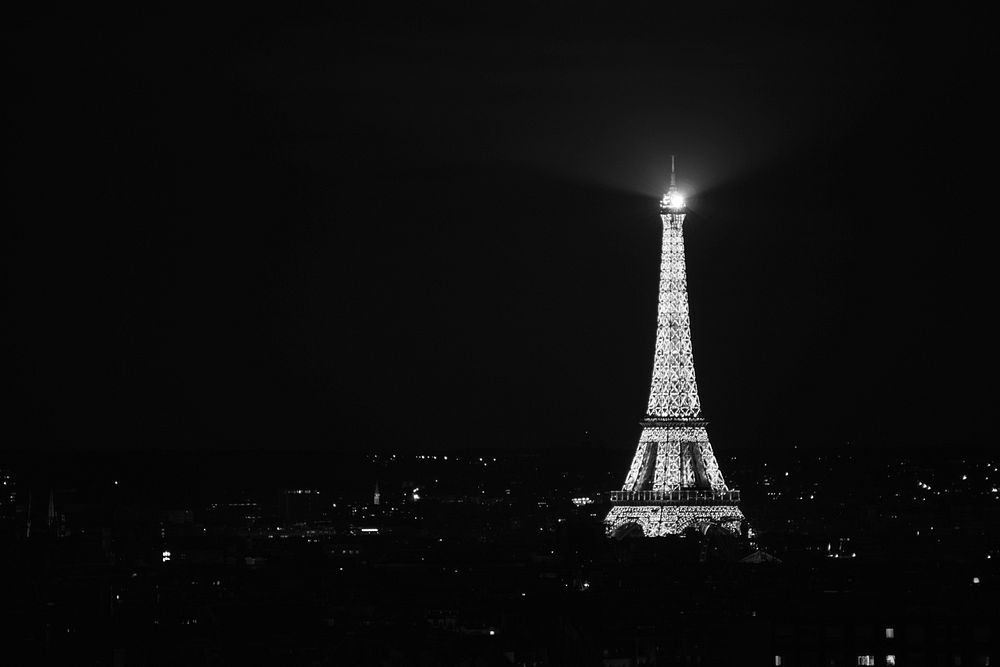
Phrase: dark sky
(434, 229)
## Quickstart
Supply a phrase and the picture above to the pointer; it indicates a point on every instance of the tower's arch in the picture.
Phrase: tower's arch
(628, 530)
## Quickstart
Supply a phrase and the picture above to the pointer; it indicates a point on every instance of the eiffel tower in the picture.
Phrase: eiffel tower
(674, 482)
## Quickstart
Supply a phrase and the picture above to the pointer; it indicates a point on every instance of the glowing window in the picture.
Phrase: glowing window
(890, 633)
(890, 660)
(777, 661)
(866, 660)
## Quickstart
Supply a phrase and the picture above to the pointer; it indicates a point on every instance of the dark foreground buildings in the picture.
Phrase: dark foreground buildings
(482, 560)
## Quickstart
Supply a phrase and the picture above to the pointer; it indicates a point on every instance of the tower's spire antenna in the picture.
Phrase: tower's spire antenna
(673, 200)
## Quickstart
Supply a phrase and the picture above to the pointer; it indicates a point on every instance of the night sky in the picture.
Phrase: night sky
(428, 230)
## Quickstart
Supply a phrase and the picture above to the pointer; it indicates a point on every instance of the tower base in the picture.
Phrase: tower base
(662, 520)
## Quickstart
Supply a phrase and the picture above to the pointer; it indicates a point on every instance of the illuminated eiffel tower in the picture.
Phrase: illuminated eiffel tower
(674, 481)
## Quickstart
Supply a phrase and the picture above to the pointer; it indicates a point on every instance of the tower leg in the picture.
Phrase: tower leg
(709, 467)
(668, 466)
(641, 469)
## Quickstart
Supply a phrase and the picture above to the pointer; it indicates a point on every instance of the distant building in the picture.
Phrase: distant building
(302, 505)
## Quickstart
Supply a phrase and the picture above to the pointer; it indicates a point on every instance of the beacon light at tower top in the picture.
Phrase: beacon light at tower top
(673, 201)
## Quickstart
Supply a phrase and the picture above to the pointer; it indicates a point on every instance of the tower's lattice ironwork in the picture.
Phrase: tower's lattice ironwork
(674, 481)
